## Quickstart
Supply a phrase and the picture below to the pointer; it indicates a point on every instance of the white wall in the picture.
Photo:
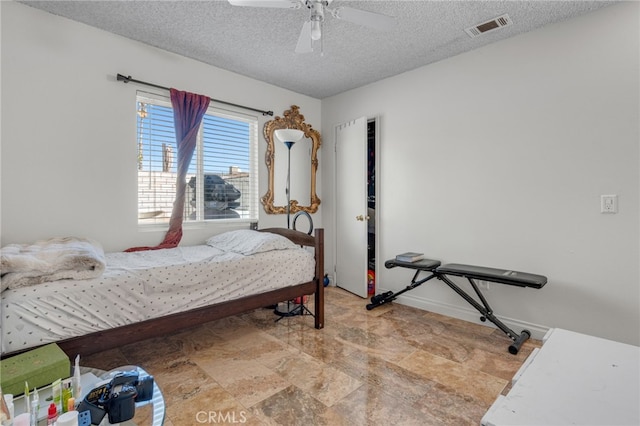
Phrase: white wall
(68, 128)
(503, 154)
(498, 157)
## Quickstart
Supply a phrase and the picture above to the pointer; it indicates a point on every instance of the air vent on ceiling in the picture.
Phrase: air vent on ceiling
(495, 23)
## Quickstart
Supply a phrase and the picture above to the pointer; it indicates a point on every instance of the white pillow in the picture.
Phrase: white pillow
(247, 241)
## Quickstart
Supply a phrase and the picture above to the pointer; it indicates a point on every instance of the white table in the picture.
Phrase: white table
(573, 379)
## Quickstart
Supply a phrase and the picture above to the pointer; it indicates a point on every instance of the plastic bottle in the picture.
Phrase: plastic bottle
(70, 418)
(27, 400)
(22, 419)
(77, 382)
(35, 407)
(57, 394)
(52, 414)
(9, 401)
(67, 392)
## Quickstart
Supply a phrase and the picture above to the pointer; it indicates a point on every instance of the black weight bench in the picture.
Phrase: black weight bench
(433, 269)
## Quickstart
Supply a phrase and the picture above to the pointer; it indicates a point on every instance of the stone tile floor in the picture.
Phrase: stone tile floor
(392, 365)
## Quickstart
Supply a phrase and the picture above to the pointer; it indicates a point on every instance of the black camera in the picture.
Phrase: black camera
(118, 397)
(120, 403)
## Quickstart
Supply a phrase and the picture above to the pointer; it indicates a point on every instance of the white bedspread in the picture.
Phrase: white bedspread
(144, 285)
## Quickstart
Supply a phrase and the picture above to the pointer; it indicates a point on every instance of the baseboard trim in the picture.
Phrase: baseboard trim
(467, 314)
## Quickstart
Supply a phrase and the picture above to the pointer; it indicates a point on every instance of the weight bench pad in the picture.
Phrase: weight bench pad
(422, 264)
(502, 276)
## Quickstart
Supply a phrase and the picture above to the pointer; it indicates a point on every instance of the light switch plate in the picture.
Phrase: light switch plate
(608, 204)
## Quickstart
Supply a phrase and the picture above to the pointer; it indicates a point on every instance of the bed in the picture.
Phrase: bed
(148, 294)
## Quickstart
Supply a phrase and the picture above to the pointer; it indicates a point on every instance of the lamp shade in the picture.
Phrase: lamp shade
(289, 135)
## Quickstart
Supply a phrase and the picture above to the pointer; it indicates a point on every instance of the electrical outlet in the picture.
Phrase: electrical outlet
(608, 204)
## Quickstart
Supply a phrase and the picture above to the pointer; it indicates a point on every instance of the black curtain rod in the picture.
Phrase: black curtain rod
(127, 79)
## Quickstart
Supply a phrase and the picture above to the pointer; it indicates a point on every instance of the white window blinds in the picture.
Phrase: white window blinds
(222, 178)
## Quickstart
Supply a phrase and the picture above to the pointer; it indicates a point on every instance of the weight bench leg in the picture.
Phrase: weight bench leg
(517, 343)
(389, 296)
(487, 313)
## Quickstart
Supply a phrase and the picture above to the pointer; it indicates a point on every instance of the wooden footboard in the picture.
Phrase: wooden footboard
(117, 337)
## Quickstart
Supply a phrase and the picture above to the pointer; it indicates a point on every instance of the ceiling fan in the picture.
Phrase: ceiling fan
(312, 29)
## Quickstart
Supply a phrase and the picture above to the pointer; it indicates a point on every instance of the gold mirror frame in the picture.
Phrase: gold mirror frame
(292, 120)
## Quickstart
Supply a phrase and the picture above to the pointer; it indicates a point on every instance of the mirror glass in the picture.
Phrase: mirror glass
(304, 165)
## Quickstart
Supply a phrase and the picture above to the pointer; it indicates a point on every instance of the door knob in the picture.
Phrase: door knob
(362, 218)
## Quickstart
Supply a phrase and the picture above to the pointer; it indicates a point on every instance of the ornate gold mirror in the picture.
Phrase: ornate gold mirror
(297, 163)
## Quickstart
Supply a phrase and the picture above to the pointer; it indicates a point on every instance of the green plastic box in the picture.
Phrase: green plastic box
(38, 367)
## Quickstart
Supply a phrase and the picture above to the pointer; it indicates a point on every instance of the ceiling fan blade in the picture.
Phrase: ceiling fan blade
(282, 4)
(363, 17)
(304, 41)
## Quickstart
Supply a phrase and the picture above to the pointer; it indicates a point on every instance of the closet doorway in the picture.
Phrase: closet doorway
(357, 165)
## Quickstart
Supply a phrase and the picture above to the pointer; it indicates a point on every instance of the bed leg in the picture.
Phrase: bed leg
(319, 278)
(519, 341)
(319, 307)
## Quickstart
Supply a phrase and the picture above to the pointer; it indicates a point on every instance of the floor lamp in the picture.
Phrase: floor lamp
(289, 137)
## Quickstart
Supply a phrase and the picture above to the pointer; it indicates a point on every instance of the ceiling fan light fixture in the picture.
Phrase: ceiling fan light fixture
(316, 30)
(317, 17)
(312, 28)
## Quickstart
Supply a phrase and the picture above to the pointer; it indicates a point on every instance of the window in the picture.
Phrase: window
(222, 181)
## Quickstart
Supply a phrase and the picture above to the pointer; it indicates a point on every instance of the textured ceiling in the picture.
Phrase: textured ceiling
(260, 42)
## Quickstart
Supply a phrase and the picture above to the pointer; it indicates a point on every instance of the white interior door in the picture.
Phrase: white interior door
(351, 206)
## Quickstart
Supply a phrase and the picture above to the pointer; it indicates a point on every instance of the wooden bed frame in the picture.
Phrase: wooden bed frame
(117, 337)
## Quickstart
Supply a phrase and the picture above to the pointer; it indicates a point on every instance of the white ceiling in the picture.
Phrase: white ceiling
(260, 42)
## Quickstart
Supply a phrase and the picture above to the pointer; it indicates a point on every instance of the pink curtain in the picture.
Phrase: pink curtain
(188, 110)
